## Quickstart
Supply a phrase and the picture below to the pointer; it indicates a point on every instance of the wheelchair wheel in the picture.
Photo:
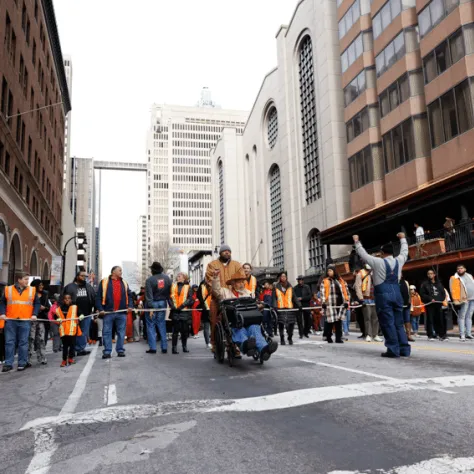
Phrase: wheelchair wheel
(256, 356)
(230, 354)
(219, 350)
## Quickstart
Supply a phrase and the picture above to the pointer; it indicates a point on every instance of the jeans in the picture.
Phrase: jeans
(415, 323)
(465, 318)
(389, 304)
(81, 341)
(435, 317)
(207, 332)
(56, 338)
(267, 322)
(156, 321)
(406, 315)
(345, 323)
(239, 336)
(17, 332)
(120, 321)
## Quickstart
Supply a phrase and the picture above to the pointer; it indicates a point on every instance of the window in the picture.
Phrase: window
(33, 58)
(451, 114)
(399, 146)
(276, 218)
(221, 202)
(348, 20)
(361, 168)
(7, 163)
(393, 52)
(388, 13)
(272, 127)
(315, 251)
(355, 88)
(394, 95)
(358, 124)
(433, 13)
(447, 53)
(308, 122)
(351, 53)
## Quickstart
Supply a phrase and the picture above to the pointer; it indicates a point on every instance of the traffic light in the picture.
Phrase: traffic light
(81, 245)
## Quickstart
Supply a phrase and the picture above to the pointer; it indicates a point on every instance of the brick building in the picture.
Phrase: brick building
(33, 104)
(408, 97)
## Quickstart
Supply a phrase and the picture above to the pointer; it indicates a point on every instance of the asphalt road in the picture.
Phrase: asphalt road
(313, 408)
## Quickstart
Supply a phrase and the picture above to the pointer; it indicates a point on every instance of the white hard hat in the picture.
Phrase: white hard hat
(412, 287)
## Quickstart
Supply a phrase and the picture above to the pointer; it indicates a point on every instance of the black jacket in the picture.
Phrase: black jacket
(405, 293)
(157, 288)
(44, 301)
(72, 290)
(303, 292)
(426, 291)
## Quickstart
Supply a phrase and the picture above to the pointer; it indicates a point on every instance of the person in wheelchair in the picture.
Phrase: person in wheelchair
(250, 339)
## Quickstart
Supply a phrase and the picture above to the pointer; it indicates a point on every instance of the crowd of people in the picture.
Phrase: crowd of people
(387, 308)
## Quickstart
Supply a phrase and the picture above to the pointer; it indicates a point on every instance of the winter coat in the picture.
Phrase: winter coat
(426, 291)
(335, 311)
(72, 290)
(303, 292)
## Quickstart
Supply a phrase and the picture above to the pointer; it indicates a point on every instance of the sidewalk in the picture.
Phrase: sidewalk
(454, 333)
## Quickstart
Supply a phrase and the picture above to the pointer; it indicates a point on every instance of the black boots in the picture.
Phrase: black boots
(100, 342)
(174, 350)
(282, 340)
(185, 348)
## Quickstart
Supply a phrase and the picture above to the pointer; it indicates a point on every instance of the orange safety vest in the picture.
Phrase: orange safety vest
(327, 287)
(177, 298)
(20, 306)
(207, 298)
(105, 285)
(69, 328)
(251, 285)
(416, 301)
(284, 299)
(365, 280)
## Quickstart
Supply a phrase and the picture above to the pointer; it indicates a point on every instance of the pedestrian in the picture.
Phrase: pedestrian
(419, 233)
(2, 328)
(114, 298)
(251, 282)
(365, 292)
(54, 325)
(405, 292)
(449, 234)
(334, 302)
(461, 286)
(196, 314)
(69, 328)
(433, 295)
(181, 298)
(84, 297)
(303, 293)
(158, 287)
(21, 306)
(359, 308)
(37, 332)
(388, 299)
(416, 309)
(266, 297)
(205, 303)
(227, 267)
(316, 313)
(287, 305)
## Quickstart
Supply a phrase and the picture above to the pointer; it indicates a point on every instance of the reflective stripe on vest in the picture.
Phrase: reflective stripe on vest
(285, 300)
(20, 306)
(105, 286)
(68, 328)
(207, 298)
(251, 285)
(177, 298)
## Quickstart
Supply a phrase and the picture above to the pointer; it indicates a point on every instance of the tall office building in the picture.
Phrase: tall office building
(67, 129)
(179, 172)
(408, 98)
(83, 206)
(131, 274)
(142, 249)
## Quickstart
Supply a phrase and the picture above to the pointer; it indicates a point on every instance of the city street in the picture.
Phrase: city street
(313, 408)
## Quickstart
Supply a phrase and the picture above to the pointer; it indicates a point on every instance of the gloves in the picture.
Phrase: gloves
(101, 315)
(346, 305)
(180, 308)
(324, 306)
(3, 317)
(34, 318)
(81, 317)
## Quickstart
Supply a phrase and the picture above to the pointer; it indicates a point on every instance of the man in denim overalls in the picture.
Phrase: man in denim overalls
(388, 299)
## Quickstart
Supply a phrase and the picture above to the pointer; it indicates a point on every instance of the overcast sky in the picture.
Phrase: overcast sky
(128, 55)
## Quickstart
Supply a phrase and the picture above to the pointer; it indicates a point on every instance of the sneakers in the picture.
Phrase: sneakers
(378, 339)
(106, 356)
(209, 346)
(20, 368)
(318, 333)
(389, 355)
(71, 361)
(185, 349)
(151, 351)
(7, 368)
(431, 339)
(368, 339)
(44, 362)
(265, 354)
(121, 354)
(462, 338)
(174, 350)
(164, 351)
(469, 337)
(63, 363)
(83, 353)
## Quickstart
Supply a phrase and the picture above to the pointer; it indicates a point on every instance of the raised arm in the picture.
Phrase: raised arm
(403, 257)
(363, 253)
(217, 291)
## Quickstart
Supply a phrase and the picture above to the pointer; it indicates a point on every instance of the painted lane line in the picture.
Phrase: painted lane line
(112, 395)
(45, 446)
(278, 401)
(442, 465)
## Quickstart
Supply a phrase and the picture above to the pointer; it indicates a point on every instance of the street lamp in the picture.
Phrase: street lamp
(81, 238)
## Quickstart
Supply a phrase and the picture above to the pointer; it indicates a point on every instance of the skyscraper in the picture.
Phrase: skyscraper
(179, 173)
(141, 248)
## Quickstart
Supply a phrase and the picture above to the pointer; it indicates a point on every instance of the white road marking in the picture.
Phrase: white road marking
(278, 401)
(112, 395)
(444, 465)
(45, 445)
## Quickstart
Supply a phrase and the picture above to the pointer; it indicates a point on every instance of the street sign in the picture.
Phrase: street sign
(56, 270)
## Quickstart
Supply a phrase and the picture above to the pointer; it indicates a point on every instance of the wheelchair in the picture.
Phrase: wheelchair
(237, 313)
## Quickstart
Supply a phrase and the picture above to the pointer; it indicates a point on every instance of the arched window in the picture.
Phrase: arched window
(276, 217)
(272, 126)
(308, 122)
(221, 201)
(315, 251)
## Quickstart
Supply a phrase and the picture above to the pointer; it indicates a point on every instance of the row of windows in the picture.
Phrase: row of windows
(361, 168)
(351, 53)
(192, 205)
(394, 95)
(186, 144)
(191, 169)
(355, 88)
(189, 240)
(207, 128)
(196, 136)
(449, 52)
(451, 114)
(178, 213)
(394, 51)
(358, 124)
(191, 161)
(191, 231)
(348, 20)
(433, 13)
(388, 13)
(399, 145)
(191, 196)
(181, 152)
(192, 179)
(193, 222)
